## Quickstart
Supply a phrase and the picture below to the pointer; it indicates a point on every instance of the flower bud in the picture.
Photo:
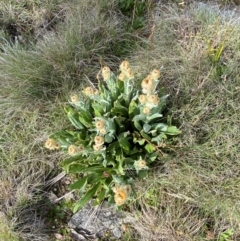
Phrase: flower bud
(124, 65)
(89, 91)
(72, 150)
(97, 147)
(103, 131)
(146, 110)
(153, 99)
(141, 164)
(142, 99)
(99, 140)
(148, 85)
(74, 98)
(100, 124)
(122, 77)
(96, 92)
(155, 74)
(106, 72)
(51, 144)
(129, 74)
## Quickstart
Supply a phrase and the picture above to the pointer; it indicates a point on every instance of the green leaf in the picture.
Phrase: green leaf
(142, 173)
(75, 168)
(100, 196)
(160, 126)
(65, 138)
(133, 109)
(73, 117)
(108, 138)
(119, 158)
(150, 148)
(153, 157)
(139, 117)
(79, 184)
(120, 85)
(85, 118)
(146, 127)
(144, 135)
(137, 125)
(98, 109)
(118, 108)
(154, 116)
(172, 130)
(118, 179)
(124, 143)
(65, 164)
(89, 194)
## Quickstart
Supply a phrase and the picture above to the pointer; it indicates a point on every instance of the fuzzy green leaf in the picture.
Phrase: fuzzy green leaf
(154, 116)
(146, 127)
(139, 117)
(108, 138)
(89, 194)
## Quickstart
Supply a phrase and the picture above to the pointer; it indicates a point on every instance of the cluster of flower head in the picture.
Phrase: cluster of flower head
(51, 144)
(149, 99)
(74, 150)
(126, 71)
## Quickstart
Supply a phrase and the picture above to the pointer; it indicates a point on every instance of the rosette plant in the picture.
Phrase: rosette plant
(118, 132)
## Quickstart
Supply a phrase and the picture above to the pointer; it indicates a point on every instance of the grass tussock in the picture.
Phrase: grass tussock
(63, 56)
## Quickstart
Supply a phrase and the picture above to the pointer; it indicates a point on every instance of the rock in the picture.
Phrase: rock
(95, 222)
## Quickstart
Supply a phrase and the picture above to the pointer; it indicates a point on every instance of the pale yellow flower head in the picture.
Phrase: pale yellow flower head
(146, 110)
(124, 65)
(103, 131)
(141, 164)
(97, 147)
(99, 140)
(122, 77)
(121, 194)
(153, 99)
(72, 150)
(148, 85)
(89, 91)
(155, 74)
(142, 99)
(51, 144)
(106, 72)
(74, 98)
(129, 74)
(100, 124)
(96, 92)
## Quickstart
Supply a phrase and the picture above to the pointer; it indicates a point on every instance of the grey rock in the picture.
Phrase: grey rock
(95, 222)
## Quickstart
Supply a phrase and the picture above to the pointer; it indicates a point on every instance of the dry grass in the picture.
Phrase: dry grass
(196, 190)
